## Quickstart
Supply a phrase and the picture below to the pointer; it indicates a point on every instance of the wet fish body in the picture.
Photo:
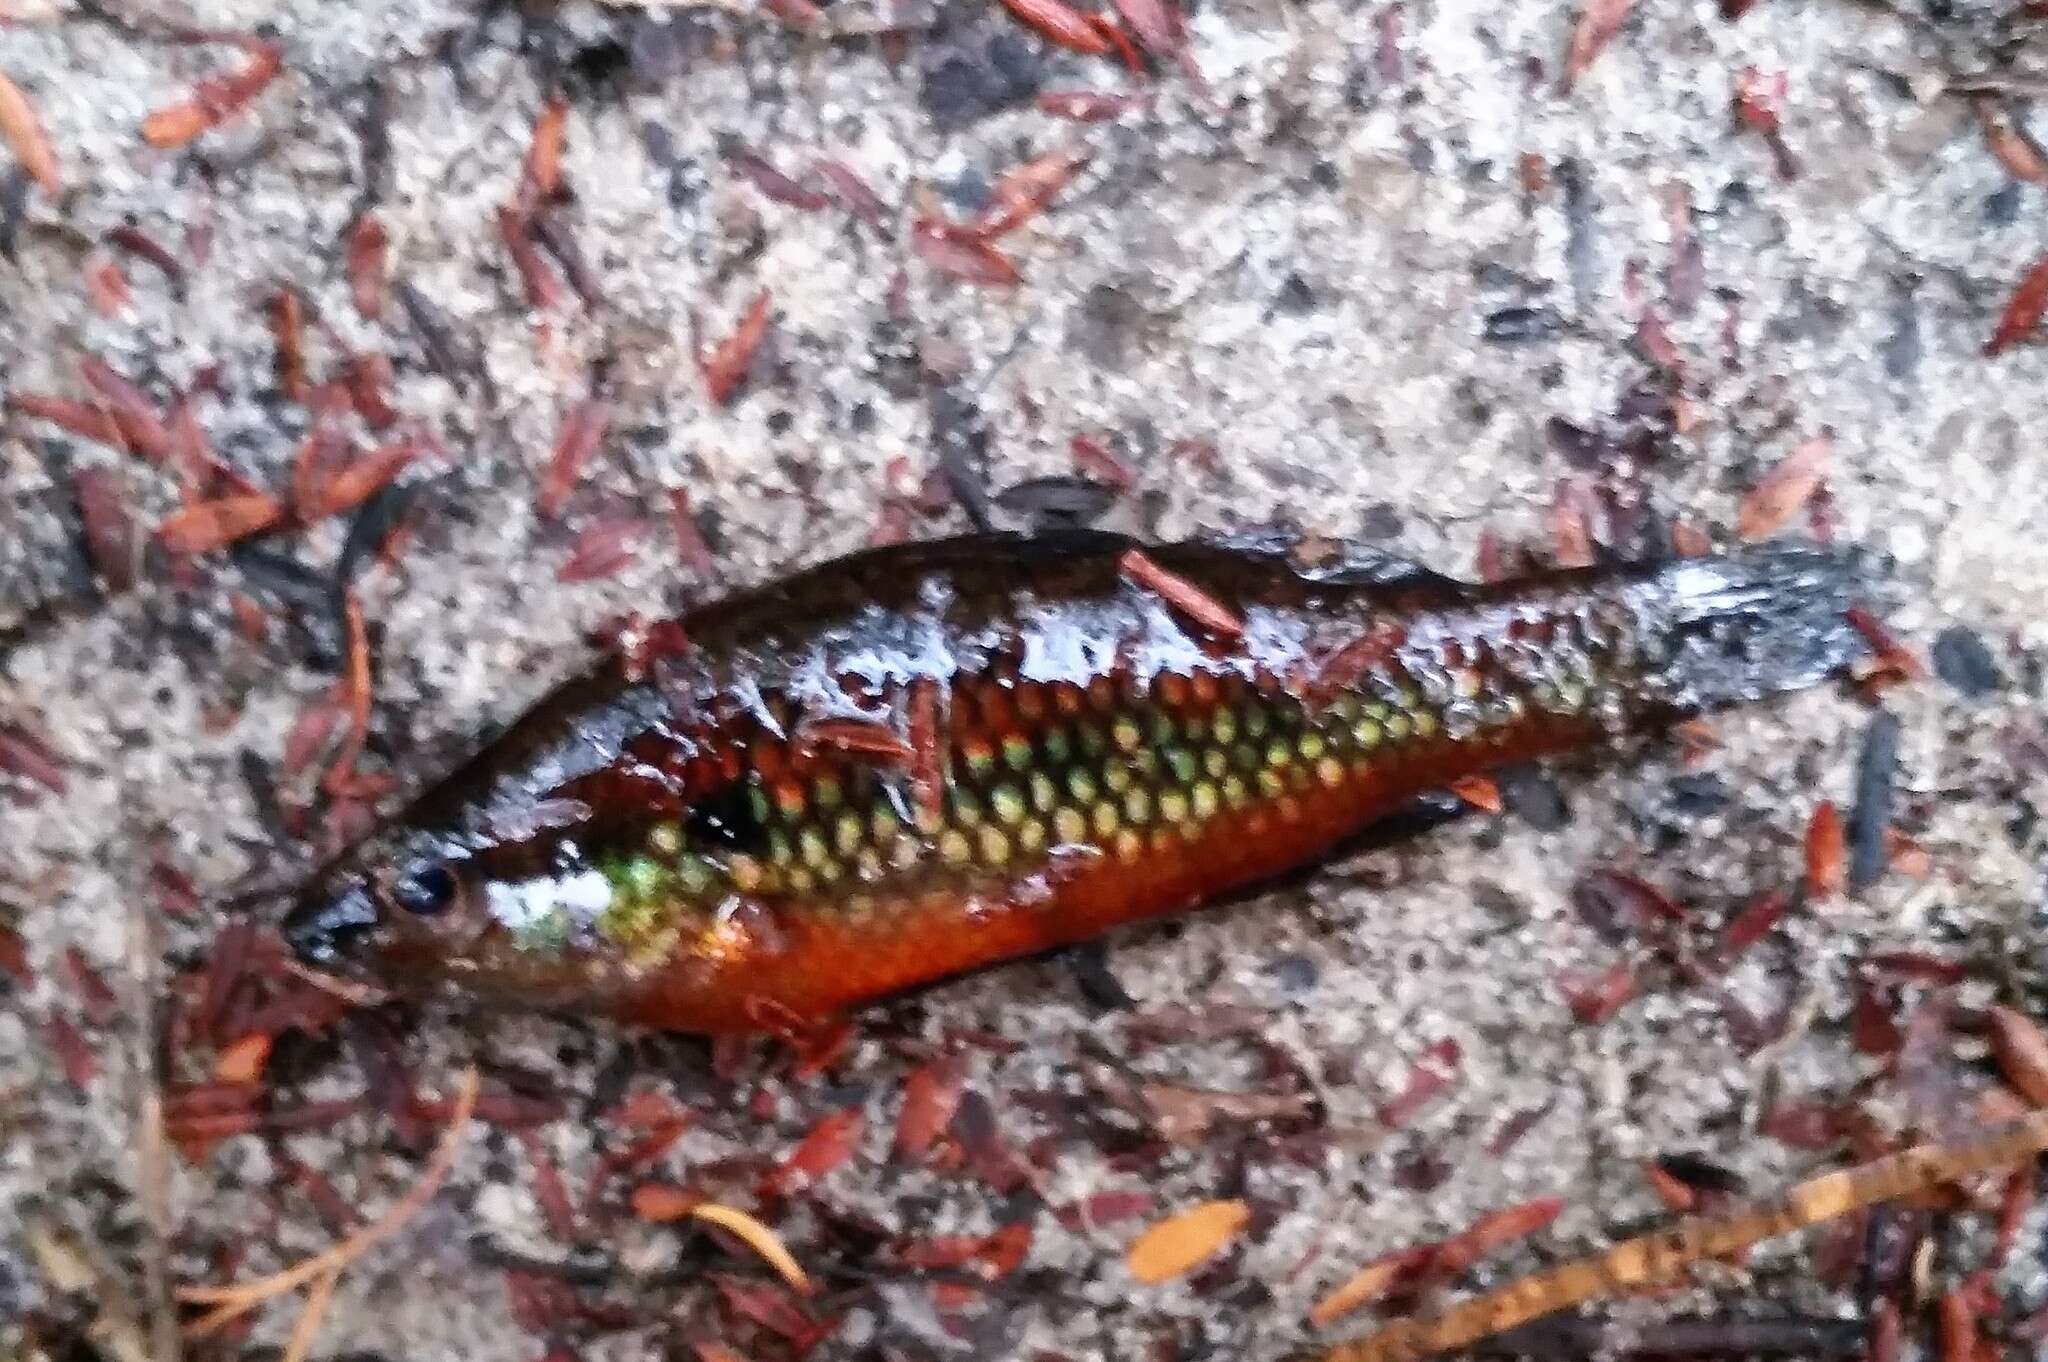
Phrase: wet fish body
(922, 759)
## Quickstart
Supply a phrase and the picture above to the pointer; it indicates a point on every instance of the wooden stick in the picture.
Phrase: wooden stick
(1659, 1257)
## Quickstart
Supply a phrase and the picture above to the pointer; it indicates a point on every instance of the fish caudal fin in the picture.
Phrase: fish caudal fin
(1750, 624)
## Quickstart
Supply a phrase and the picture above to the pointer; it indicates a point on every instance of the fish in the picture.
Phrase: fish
(919, 760)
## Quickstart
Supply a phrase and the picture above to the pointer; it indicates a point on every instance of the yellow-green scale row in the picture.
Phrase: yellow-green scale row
(1114, 780)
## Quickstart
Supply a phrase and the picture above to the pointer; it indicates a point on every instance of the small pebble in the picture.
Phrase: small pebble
(1961, 659)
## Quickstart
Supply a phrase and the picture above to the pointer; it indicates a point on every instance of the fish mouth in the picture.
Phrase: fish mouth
(328, 928)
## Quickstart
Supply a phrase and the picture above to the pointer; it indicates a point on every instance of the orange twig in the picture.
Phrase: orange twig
(233, 1301)
(1660, 1257)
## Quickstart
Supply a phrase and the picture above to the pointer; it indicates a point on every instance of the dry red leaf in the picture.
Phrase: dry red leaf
(542, 177)
(1481, 792)
(768, 1304)
(14, 958)
(583, 430)
(1087, 106)
(549, 1189)
(1370, 1283)
(690, 545)
(1753, 923)
(1689, 540)
(773, 184)
(1184, 1241)
(1959, 1337)
(725, 367)
(198, 470)
(24, 133)
(2022, 1052)
(80, 1067)
(366, 261)
(325, 450)
(309, 735)
(1801, 1124)
(369, 384)
(80, 418)
(830, 1143)
(1061, 23)
(1676, 1193)
(1571, 533)
(801, 15)
(1758, 96)
(89, 988)
(109, 534)
(1094, 459)
(1187, 599)
(2023, 310)
(1433, 1074)
(2013, 1205)
(1492, 1232)
(604, 548)
(26, 755)
(106, 287)
(137, 242)
(216, 99)
(1598, 23)
(134, 413)
(288, 325)
(2009, 144)
(960, 255)
(208, 525)
(1781, 493)
(660, 1203)
(1024, 192)
(1594, 1001)
(1827, 852)
(363, 479)
(1159, 28)
(243, 1061)
(543, 286)
(852, 190)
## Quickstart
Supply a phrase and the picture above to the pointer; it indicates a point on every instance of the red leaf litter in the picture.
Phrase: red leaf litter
(583, 431)
(1186, 598)
(962, 256)
(1063, 24)
(1598, 23)
(1433, 1075)
(2023, 310)
(1594, 1000)
(604, 548)
(218, 98)
(852, 190)
(830, 1143)
(1827, 852)
(26, 755)
(931, 1095)
(725, 366)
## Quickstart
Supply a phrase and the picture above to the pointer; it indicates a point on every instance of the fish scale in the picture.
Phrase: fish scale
(926, 759)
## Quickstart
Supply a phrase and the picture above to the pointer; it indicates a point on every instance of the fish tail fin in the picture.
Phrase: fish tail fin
(1755, 622)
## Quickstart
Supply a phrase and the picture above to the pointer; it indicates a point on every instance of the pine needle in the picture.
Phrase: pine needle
(233, 1301)
(757, 1237)
(1660, 1257)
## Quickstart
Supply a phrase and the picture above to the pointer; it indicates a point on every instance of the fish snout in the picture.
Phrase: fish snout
(328, 925)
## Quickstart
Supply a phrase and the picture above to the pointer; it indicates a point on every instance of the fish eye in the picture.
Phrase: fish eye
(425, 889)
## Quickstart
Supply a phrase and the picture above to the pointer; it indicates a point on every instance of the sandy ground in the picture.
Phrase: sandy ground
(1369, 277)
